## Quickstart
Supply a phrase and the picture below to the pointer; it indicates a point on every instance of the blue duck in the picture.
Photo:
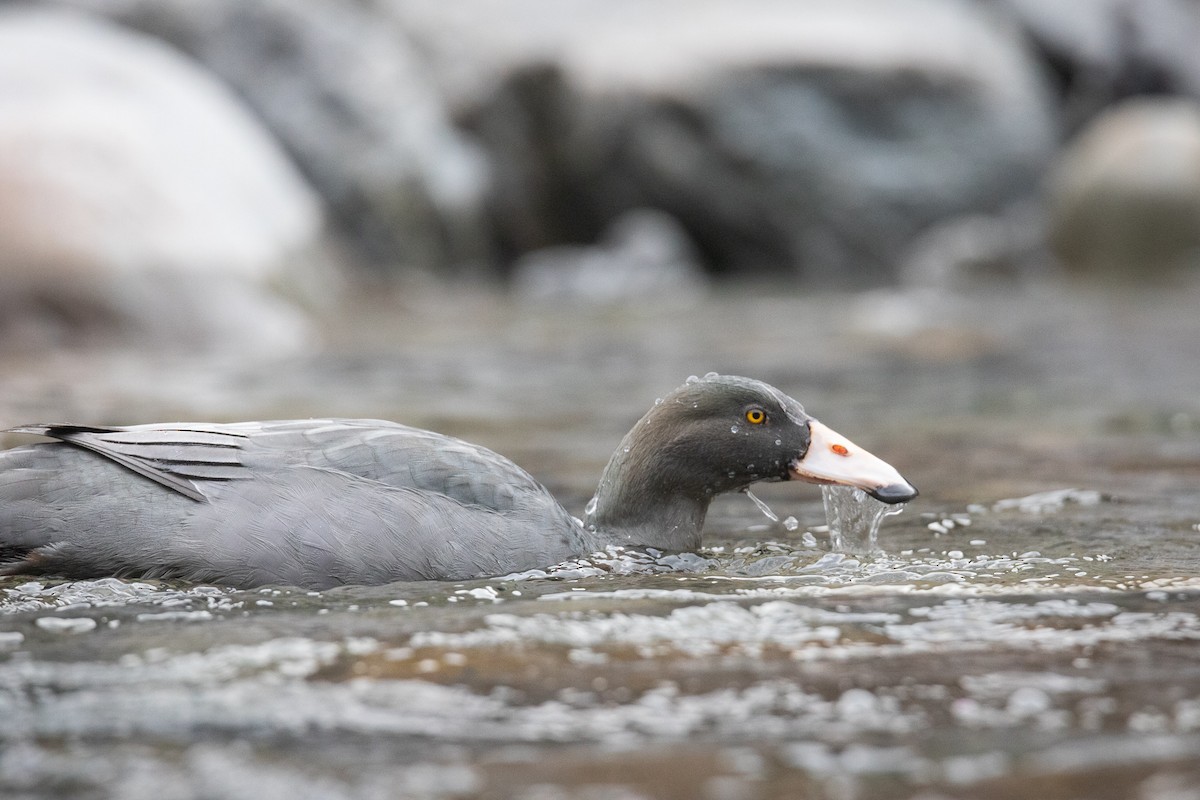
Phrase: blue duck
(322, 503)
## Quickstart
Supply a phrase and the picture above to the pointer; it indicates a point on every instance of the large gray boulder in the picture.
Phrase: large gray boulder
(137, 196)
(342, 88)
(802, 137)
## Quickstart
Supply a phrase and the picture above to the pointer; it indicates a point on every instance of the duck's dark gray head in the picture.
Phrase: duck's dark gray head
(736, 431)
(722, 433)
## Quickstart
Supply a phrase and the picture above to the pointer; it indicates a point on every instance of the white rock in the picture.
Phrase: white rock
(1125, 197)
(131, 184)
(350, 96)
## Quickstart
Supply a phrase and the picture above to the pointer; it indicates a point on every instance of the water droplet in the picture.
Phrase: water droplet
(692, 379)
(763, 507)
(749, 466)
(854, 519)
(590, 508)
(734, 429)
(779, 441)
(626, 450)
(658, 401)
(791, 523)
(710, 375)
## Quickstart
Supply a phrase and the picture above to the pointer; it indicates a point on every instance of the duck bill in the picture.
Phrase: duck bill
(832, 459)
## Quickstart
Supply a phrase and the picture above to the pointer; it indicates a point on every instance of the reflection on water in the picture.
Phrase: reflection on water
(1006, 635)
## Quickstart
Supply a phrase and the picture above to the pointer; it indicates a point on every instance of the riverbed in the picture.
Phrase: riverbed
(1032, 626)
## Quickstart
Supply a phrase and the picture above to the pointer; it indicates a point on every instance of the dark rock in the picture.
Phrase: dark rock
(645, 256)
(1102, 51)
(812, 139)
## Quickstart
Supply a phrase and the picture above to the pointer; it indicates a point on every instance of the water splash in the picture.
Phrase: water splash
(854, 519)
(763, 507)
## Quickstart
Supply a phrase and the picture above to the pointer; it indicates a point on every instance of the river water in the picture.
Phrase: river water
(1032, 625)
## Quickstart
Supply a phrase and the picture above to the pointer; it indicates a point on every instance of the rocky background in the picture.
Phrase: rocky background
(218, 173)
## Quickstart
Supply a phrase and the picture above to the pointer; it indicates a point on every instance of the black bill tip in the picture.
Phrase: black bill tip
(894, 493)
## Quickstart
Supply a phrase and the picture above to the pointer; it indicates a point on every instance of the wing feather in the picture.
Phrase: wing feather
(174, 457)
(183, 457)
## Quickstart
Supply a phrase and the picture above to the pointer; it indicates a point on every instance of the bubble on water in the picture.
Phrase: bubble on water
(200, 615)
(617, 560)
(692, 379)
(856, 703)
(112, 592)
(1049, 502)
(66, 624)
(484, 593)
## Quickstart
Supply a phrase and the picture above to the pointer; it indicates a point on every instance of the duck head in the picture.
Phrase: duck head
(718, 434)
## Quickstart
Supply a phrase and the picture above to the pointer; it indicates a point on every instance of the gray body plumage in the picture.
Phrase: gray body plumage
(321, 503)
(313, 503)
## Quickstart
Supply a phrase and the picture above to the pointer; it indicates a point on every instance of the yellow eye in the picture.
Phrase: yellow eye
(756, 416)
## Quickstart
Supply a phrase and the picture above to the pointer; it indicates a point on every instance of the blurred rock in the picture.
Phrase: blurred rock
(137, 197)
(1102, 51)
(808, 138)
(978, 250)
(645, 256)
(344, 91)
(1125, 197)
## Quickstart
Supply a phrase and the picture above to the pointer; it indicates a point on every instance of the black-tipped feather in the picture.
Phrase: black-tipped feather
(172, 457)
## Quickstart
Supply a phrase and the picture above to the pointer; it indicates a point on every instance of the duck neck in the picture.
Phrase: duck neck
(642, 502)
